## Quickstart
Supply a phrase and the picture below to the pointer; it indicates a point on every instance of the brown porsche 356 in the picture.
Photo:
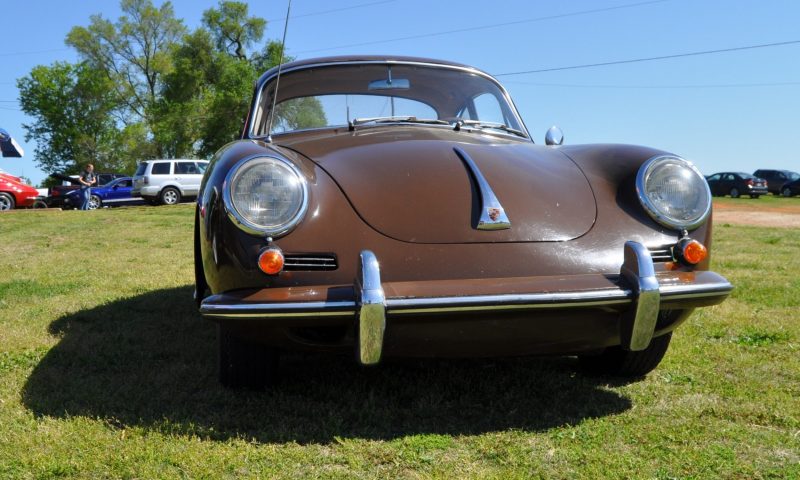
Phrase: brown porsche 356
(398, 207)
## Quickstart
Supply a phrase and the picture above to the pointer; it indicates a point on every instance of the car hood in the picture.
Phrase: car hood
(410, 184)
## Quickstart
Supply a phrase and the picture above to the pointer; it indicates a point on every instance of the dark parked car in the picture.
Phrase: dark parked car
(736, 184)
(778, 179)
(399, 207)
(113, 194)
(791, 189)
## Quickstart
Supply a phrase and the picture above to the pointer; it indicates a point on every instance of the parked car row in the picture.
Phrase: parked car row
(155, 182)
(761, 182)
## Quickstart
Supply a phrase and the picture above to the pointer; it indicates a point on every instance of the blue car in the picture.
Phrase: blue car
(114, 193)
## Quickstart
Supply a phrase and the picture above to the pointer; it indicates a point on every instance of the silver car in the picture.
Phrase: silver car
(168, 181)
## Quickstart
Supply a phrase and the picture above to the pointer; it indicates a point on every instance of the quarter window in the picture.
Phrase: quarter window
(186, 168)
(161, 168)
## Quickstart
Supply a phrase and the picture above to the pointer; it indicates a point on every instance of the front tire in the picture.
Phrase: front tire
(244, 364)
(734, 192)
(754, 195)
(170, 196)
(618, 362)
(787, 192)
(6, 202)
(95, 202)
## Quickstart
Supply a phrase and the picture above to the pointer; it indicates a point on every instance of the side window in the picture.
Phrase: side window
(160, 168)
(714, 178)
(186, 168)
(729, 176)
(124, 183)
(201, 166)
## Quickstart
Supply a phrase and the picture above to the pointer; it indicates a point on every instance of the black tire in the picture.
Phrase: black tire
(735, 192)
(170, 196)
(7, 201)
(39, 204)
(755, 195)
(618, 362)
(244, 364)
(787, 192)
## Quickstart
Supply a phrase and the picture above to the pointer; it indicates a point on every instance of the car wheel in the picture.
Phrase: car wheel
(787, 192)
(95, 202)
(170, 196)
(6, 202)
(39, 204)
(754, 195)
(734, 192)
(244, 364)
(619, 362)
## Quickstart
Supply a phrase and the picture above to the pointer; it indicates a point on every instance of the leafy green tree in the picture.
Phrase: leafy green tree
(71, 106)
(134, 53)
(232, 29)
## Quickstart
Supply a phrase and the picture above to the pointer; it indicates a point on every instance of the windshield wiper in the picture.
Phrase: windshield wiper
(481, 124)
(396, 119)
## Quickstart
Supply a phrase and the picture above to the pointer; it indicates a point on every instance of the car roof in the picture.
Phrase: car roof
(364, 58)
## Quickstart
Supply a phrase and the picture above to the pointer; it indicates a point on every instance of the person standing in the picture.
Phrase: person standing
(87, 179)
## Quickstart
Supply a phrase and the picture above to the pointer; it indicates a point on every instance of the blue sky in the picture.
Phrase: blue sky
(728, 111)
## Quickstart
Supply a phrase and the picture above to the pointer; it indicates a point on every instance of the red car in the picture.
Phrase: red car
(14, 193)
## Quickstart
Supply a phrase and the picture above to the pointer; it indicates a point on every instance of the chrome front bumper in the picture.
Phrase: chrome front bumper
(639, 294)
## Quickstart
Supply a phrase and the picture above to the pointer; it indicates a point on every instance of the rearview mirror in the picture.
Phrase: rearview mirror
(390, 84)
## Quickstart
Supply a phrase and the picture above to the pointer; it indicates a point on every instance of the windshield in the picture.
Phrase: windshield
(793, 175)
(347, 94)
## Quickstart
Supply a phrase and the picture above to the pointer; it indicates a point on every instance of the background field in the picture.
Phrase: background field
(106, 370)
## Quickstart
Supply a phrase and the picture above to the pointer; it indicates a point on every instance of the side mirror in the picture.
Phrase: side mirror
(554, 136)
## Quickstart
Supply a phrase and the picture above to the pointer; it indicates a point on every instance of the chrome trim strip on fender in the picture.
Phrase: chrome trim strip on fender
(639, 323)
(371, 306)
(493, 215)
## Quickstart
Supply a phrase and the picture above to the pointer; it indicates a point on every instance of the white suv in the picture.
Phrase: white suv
(168, 181)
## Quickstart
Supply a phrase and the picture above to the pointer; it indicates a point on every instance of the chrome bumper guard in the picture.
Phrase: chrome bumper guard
(641, 301)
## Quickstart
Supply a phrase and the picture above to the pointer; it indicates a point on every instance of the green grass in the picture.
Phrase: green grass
(107, 371)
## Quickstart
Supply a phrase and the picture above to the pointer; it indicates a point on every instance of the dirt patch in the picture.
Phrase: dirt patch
(786, 216)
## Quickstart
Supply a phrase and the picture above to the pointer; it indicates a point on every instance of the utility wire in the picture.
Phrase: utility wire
(655, 87)
(651, 59)
(323, 12)
(485, 27)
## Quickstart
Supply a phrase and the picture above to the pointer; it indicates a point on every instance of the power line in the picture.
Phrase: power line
(485, 27)
(323, 12)
(651, 59)
(655, 87)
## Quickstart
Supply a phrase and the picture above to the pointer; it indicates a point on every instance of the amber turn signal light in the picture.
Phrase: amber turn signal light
(692, 252)
(270, 261)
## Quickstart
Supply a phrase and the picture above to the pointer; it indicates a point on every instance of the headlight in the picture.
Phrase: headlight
(266, 195)
(674, 192)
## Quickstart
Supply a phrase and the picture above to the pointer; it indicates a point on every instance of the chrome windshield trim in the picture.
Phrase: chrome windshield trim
(264, 80)
(493, 215)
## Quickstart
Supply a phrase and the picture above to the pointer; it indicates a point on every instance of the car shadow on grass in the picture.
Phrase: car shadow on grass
(150, 361)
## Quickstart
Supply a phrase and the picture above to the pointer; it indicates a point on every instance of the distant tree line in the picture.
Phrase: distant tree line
(146, 87)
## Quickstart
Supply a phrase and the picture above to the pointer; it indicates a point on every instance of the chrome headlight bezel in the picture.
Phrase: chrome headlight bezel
(652, 209)
(241, 220)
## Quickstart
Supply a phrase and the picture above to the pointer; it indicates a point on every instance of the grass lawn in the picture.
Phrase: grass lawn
(107, 371)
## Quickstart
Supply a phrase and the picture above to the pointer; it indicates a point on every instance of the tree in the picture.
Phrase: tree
(71, 106)
(134, 53)
(232, 29)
